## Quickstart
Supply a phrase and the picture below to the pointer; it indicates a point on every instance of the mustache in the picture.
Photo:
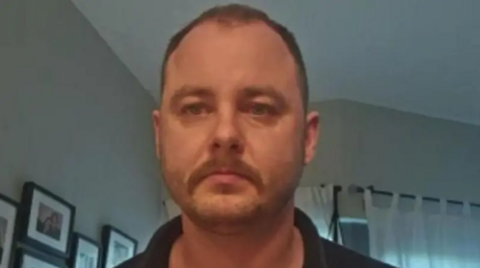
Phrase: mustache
(232, 164)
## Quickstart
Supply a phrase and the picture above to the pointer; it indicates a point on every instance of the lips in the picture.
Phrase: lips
(225, 177)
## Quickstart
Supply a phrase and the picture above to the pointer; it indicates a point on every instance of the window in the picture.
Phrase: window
(354, 234)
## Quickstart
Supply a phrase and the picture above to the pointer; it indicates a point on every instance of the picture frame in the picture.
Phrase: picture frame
(117, 246)
(8, 220)
(31, 259)
(86, 252)
(46, 221)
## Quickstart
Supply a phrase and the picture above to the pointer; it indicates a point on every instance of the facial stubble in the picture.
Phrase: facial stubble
(267, 204)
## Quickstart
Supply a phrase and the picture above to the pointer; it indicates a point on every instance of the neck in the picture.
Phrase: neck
(272, 243)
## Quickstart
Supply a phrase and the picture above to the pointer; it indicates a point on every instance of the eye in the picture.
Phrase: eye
(260, 109)
(194, 109)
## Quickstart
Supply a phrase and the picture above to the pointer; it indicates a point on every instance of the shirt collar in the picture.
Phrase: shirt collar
(157, 253)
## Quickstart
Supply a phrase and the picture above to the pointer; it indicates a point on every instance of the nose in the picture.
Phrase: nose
(227, 137)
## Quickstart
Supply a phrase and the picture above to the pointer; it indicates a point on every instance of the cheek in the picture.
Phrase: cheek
(276, 153)
(181, 152)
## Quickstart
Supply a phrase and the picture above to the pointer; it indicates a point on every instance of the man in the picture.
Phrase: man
(233, 134)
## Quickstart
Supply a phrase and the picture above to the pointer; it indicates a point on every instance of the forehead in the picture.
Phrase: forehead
(221, 56)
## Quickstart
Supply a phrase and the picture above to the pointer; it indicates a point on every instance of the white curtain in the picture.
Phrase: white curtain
(421, 236)
(316, 202)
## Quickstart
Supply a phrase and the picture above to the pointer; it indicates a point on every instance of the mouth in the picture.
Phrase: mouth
(224, 176)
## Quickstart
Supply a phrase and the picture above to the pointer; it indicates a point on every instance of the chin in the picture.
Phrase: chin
(225, 209)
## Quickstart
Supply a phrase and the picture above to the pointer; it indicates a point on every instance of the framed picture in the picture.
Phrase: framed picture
(117, 246)
(46, 220)
(8, 217)
(85, 252)
(30, 259)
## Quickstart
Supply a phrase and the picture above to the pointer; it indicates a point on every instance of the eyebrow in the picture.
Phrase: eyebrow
(190, 91)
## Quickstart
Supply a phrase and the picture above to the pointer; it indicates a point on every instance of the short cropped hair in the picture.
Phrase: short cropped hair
(237, 14)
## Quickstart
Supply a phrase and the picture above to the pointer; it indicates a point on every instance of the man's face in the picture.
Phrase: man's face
(231, 133)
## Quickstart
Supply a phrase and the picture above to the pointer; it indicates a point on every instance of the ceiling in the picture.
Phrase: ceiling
(416, 56)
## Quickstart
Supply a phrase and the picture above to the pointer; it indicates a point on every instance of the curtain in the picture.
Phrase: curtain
(316, 202)
(422, 236)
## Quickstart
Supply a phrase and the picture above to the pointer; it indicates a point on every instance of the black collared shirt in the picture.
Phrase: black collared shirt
(318, 253)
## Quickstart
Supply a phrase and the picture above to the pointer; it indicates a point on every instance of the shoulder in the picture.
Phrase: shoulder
(338, 256)
(131, 263)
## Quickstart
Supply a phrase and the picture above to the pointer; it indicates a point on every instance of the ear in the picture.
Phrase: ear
(312, 131)
(156, 128)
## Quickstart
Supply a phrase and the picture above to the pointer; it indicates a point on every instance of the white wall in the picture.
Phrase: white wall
(74, 119)
(395, 151)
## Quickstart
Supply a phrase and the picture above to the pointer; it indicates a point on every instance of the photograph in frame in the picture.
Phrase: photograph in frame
(117, 246)
(85, 252)
(46, 220)
(8, 218)
(32, 259)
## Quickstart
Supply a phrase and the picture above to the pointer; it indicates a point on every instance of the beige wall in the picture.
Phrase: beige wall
(74, 120)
